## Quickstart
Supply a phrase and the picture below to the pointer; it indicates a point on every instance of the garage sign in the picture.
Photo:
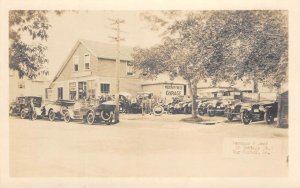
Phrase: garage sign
(174, 90)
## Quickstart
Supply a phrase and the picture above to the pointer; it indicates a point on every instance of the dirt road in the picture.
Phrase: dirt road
(141, 146)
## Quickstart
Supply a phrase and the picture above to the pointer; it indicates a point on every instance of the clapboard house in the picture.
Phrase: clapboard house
(90, 71)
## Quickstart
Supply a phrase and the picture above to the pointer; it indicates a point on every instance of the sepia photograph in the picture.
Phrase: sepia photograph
(164, 93)
(149, 94)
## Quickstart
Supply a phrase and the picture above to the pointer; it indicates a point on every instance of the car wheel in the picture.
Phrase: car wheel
(67, 117)
(269, 117)
(23, 114)
(106, 115)
(229, 115)
(200, 112)
(34, 115)
(246, 117)
(211, 112)
(158, 110)
(90, 118)
(51, 115)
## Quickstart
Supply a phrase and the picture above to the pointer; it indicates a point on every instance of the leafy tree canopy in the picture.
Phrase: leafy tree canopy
(28, 58)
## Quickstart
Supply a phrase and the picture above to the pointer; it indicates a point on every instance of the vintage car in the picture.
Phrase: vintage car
(179, 105)
(103, 111)
(255, 111)
(37, 111)
(202, 107)
(218, 107)
(60, 109)
(16, 107)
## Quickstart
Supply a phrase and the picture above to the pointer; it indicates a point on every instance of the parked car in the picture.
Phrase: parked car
(60, 109)
(16, 107)
(36, 112)
(103, 111)
(202, 107)
(256, 111)
(179, 106)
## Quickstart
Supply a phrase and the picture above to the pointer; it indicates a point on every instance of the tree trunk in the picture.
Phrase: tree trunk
(193, 93)
(255, 85)
(194, 102)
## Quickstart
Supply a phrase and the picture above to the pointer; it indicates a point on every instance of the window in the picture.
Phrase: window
(76, 63)
(81, 90)
(129, 68)
(87, 61)
(21, 85)
(105, 88)
(72, 90)
(91, 91)
(60, 93)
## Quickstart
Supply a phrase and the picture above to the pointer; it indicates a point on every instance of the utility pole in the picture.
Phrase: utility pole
(116, 23)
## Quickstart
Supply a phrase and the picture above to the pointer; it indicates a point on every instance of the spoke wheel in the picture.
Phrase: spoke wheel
(23, 114)
(51, 115)
(34, 115)
(106, 115)
(90, 118)
(269, 117)
(246, 117)
(67, 117)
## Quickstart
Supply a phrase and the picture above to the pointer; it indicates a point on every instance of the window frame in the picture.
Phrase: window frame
(75, 62)
(87, 62)
(104, 84)
(129, 69)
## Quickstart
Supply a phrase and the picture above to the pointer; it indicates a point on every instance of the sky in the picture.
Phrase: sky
(93, 25)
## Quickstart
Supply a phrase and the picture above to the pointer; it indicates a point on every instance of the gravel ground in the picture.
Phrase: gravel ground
(139, 146)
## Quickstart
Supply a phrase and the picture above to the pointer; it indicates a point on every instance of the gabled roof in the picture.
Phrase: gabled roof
(107, 51)
(99, 50)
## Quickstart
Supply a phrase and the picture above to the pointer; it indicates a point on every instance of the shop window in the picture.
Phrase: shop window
(105, 88)
(129, 68)
(87, 61)
(60, 93)
(81, 90)
(76, 63)
(91, 89)
(72, 90)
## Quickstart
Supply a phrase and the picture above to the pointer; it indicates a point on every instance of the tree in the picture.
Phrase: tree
(185, 51)
(254, 47)
(217, 45)
(27, 58)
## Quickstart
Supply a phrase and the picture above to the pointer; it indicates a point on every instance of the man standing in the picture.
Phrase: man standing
(31, 109)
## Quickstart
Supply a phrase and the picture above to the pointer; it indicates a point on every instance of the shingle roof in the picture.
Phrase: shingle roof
(108, 51)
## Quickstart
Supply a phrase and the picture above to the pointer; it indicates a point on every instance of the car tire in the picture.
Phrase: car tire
(246, 117)
(51, 115)
(23, 114)
(200, 112)
(230, 115)
(67, 117)
(158, 110)
(269, 118)
(90, 118)
(211, 112)
(34, 115)
(106, 115)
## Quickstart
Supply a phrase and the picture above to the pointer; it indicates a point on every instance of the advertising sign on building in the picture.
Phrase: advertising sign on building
(174, 90)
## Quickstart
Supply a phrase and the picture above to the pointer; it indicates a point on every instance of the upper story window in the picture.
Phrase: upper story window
(76, 63)
(87, 59)
(129, 68)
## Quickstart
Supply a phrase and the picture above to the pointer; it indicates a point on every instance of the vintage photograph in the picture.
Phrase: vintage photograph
(164, 93)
